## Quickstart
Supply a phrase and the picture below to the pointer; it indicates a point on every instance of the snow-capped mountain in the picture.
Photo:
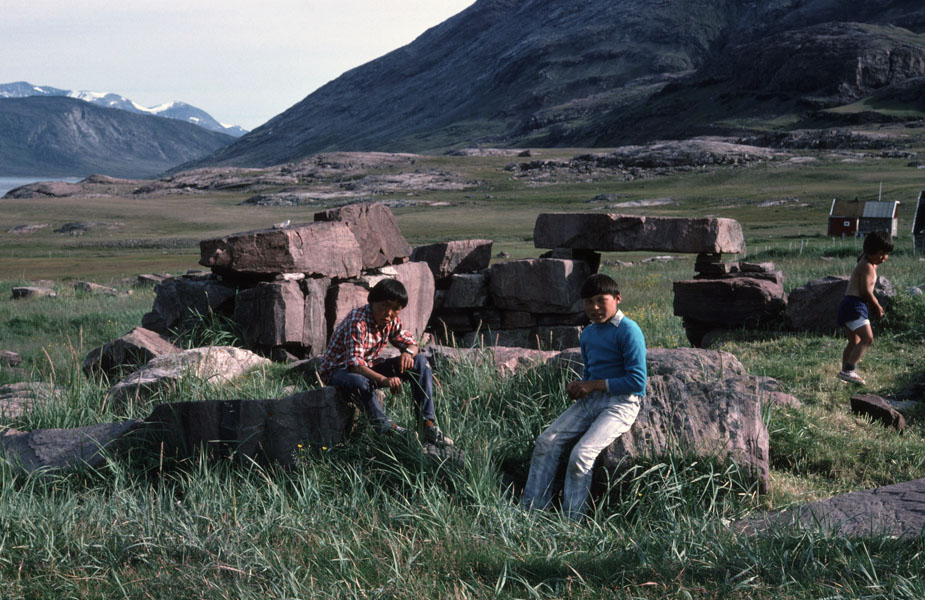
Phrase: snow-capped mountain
(172, 110)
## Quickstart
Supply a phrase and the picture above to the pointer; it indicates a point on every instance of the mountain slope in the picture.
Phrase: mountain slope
(69, 137)
(173, 110)
(546, 72)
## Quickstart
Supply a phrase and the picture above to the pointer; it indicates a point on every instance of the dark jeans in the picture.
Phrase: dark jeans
(362, 391)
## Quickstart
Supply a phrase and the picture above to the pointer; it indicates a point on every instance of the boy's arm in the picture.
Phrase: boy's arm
(868, 281)
(634, 360)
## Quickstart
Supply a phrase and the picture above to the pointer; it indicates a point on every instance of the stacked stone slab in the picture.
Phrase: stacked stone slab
(728, 295)
(721, 295)
(529, 303)
(286, 287)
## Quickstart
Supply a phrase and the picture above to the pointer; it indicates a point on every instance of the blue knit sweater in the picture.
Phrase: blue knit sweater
(615, 351)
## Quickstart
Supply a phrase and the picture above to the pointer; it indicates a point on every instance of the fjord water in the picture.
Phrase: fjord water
(11, 183)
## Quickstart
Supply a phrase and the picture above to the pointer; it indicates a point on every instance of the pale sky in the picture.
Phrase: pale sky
(242, 61)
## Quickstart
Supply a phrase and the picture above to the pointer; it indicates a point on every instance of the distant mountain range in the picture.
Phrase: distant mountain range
(520, 73)
(53, 135)
(172, 110)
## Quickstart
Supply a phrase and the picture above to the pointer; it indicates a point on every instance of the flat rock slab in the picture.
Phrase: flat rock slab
(326, 249)
(19, 398)
(63, 448)
(211, 364)
(9, 358)
(273, 430)
(878, 409)
(28, 291)
(130, 351)
(894, 510)
(621, 233)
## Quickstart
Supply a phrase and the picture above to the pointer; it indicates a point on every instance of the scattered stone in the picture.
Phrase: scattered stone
(9, 358)
(26, 229)
(326, 249)
(276, 430)
(18, 398)
(56, 449)
(89, 287)
(614, 232)
(375, 228)
(128, 352)
(813, 307)
(81, 227)
(24, 292)
(454, 257)
(150, 279)
(213, 365)
(895, 511)
(878, 409)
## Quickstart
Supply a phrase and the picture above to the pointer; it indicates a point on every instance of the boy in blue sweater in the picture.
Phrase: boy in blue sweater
(607, 398)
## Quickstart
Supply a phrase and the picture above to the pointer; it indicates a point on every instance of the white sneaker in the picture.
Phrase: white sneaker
(851, 377)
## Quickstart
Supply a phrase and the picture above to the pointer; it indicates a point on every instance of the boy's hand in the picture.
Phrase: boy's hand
(580, 389)
(405, 362)
(393, 383)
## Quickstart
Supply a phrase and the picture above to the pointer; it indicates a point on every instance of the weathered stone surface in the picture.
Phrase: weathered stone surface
(517, 319)
(271, 313)
(506, 360)
(419, 281)
(516, 338)
(315, 325)
(539, 285)
(9, 358)
(178, 301)
(376, 230)
(146, 279)
(30, 291)
(19, 398)
(212, 364)
(729, 302)
(467, 290)
(813, 307)
(341, 299)
(324, 249)
(896, 510)
(88, 287)
(878, 409)
(457, 256)
(614, 232)
(591, 257)
(275, 430)
(557, 337)
(64, 448)
(133, 349)
(705, 418)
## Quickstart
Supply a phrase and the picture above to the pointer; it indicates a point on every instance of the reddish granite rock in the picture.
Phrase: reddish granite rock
(374, 226)
(457, 256)
(324, 249)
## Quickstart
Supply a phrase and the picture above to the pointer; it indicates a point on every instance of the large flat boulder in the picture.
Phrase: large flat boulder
(374, 226)
(326, 249)
(44, 449)
(616, 233)
(211, 364)
(814, 306)
(453, 257)
(896, 510)
(539, 285)
(128, 351)
(274, 430)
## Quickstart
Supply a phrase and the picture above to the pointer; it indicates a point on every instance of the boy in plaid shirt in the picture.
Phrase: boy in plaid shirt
(352, 362)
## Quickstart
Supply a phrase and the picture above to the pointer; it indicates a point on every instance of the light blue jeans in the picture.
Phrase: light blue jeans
(595, 421)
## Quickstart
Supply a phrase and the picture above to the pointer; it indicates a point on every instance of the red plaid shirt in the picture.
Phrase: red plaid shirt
(358, 341)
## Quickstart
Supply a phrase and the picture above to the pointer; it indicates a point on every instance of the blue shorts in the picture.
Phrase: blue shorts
(852, 313)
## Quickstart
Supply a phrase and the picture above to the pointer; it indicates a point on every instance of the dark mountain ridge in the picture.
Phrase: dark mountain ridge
(587, 72)
(59, 136)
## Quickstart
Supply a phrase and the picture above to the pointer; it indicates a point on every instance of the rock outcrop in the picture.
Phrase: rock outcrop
(814, 306)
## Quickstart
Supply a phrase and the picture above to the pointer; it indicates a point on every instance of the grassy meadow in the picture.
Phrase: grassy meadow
(376, 520)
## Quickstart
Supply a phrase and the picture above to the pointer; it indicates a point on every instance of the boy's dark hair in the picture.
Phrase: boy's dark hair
(599, 284)
(878, 241)
(389, 290)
